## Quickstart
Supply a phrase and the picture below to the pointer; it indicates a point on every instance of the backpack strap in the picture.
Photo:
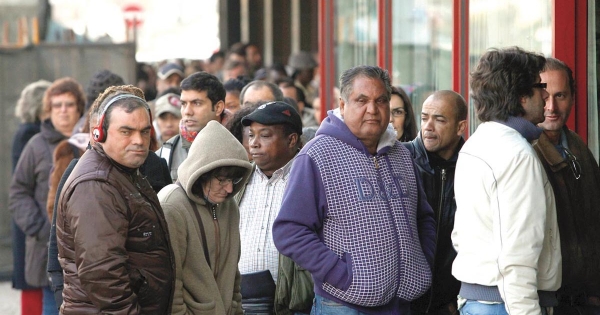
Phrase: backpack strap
(202, 232)
(168, 149)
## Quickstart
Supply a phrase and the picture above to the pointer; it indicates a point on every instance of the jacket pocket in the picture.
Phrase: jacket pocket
(146, 293)
(201, 308)
(143, 239)
(36, 258)
(302, 293)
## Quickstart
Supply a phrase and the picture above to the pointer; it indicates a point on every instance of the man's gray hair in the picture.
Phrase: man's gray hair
(29, 106)
(348, 76)
(259, 84)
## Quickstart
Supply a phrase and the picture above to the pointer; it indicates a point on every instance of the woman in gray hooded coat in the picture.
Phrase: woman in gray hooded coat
(203, 221)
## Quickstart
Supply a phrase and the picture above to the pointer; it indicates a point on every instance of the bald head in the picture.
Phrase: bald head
(443, 122)
(453, 99)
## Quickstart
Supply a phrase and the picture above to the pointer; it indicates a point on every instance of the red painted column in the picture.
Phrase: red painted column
(326, 57)
(569, 44)
(460, 49)
(384, 37)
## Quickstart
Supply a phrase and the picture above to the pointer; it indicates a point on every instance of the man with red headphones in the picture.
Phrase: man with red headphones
(112, 236)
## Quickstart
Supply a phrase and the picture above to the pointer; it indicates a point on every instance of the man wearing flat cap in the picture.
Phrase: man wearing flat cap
(169, 76)
(303, 67)
(274, 140)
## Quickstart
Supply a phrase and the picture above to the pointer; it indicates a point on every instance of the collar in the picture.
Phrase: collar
(550, 153)
(131, 171)
(281, 173)
(523, 126)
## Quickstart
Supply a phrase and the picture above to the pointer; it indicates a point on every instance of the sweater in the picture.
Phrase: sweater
(370, 247)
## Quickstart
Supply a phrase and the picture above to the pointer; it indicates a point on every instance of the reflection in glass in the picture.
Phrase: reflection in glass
(526, 24)
(422, 41)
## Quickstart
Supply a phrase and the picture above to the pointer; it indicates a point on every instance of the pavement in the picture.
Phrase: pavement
(10, 299)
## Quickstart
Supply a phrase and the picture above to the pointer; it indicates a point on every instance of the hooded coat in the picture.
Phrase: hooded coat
(359, 222)
(202, 287)
(27, 197)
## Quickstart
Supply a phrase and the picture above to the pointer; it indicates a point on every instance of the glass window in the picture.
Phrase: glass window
(356, 32)
(422, 43)
(527, 24)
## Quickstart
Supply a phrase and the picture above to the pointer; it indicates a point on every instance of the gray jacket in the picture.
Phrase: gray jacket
(27, 200)
(174, 151)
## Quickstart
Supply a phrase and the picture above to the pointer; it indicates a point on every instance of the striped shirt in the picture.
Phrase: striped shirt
(258, 209)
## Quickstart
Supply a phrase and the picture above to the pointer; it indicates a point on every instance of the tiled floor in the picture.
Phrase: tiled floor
(10, 299)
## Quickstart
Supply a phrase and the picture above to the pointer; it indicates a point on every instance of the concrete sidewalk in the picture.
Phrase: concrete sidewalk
(10, 299)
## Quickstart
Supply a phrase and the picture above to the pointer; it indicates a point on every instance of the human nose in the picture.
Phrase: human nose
(427, 124)
(137, 138)
(550, 105)
(253, 142)
(372, 107)
(186, 110)
(229, 187)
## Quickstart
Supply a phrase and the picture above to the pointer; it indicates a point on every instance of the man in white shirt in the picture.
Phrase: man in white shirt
(274, 140)
(505, 229)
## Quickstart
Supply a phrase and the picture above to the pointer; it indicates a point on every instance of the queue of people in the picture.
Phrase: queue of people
(218, 197)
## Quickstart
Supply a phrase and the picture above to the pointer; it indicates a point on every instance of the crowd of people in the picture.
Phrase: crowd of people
(218, 188)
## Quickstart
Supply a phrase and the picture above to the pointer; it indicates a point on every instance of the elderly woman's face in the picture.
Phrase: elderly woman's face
(64, 113)
(218, 188)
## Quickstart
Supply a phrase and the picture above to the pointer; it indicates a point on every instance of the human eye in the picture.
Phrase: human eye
(125, 132)
(382, 101)
(146, 131)
(361, 100)
(197, 103)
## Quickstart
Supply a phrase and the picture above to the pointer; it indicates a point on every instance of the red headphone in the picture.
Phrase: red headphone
(99, 132)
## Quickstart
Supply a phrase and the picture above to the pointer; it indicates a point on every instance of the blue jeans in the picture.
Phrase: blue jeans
(477, 308)
(323, 306)
(48, 302)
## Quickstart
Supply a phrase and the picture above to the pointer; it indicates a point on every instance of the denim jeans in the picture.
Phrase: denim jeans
(48, 302)
(323, 306)
(477, 308)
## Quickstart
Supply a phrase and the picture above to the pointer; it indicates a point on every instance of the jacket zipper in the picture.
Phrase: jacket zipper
(437, 231)
(217, 240)
(391, 214)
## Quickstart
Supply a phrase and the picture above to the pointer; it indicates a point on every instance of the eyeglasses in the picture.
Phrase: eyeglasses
(539, 85)
(398, 112)
(573, 163)
(61, 104)
(223, 181)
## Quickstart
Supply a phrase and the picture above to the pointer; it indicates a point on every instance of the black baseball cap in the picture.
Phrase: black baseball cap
(275, 113)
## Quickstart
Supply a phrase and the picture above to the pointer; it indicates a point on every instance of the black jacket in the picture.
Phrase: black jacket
(438, 181)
